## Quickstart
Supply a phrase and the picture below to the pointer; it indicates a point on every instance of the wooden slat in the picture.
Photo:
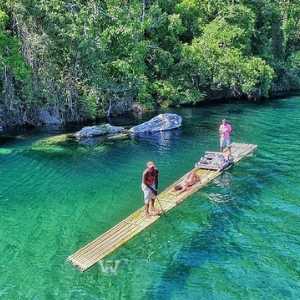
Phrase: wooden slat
(118, 235)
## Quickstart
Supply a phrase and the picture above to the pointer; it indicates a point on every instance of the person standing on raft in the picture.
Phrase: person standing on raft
(150, 187)
(225, 131)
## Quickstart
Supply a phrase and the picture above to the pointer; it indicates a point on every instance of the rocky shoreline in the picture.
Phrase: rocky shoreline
(52, 117)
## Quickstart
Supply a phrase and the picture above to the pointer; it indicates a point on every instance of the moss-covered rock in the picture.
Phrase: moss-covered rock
(67, 143)
(56, 143)
(118, 136)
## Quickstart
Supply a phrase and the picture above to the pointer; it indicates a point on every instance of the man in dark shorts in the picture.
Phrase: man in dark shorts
(149, 187)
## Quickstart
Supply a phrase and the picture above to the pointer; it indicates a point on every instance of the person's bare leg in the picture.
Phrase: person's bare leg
(153, 209)
(190, 183)
(147, 214)
(184, 188)
(151, 205)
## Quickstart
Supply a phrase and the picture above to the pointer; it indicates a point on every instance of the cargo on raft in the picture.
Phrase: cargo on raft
(214, 161)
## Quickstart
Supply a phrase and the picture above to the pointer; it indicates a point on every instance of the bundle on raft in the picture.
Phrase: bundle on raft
(214, 161)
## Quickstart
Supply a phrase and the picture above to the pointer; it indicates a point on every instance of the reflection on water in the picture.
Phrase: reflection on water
(224, 181)
(161, 140)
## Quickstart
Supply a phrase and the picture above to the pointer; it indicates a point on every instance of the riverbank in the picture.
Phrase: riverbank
(127, 116)
(74, 63)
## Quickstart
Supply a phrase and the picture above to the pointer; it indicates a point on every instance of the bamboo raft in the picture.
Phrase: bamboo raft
(117, 236)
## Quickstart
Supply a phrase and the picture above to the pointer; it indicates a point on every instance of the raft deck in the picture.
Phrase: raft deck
(117, 236)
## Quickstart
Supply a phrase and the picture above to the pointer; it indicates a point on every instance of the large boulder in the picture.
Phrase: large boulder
(98, 130)
(161, 122)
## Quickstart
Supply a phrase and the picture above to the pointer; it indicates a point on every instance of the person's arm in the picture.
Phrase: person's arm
(156, 180)
(144, 178)
(228, 128)
(220, 130)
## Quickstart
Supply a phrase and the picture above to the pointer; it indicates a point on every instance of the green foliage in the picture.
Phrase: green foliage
(82, 56)
(11, 59)
(219, 58)
(293, 73)
(294, 61)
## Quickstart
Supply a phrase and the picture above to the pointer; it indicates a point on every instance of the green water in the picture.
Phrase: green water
(238, 238)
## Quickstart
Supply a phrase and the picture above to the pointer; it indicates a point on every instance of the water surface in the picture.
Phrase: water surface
(238, 238)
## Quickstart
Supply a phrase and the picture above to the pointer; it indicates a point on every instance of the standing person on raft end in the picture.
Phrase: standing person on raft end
(149, 187)
(225, 131)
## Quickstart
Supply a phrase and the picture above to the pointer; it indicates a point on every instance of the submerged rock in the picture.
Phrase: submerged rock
(98, 130)
(5, 151)
(54, 143)
(56, 139)
(161, 122)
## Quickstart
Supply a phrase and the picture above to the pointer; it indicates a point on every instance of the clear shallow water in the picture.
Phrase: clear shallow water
(238, 238)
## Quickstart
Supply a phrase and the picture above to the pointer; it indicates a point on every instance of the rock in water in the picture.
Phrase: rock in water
(4, 151)
(161, 122)
(54, 143)
(98, 130)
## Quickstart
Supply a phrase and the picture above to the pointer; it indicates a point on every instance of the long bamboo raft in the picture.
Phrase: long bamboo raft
(117, 236)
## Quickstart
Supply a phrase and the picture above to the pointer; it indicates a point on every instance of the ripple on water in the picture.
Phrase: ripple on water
(238, 238)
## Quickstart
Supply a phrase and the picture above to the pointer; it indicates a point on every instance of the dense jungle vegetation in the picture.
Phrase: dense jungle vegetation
(76, 60)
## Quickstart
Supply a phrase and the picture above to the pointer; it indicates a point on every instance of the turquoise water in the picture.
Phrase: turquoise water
(238, 238)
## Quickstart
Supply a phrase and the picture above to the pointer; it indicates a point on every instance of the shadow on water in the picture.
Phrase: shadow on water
(213, 244)
(5, 139)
